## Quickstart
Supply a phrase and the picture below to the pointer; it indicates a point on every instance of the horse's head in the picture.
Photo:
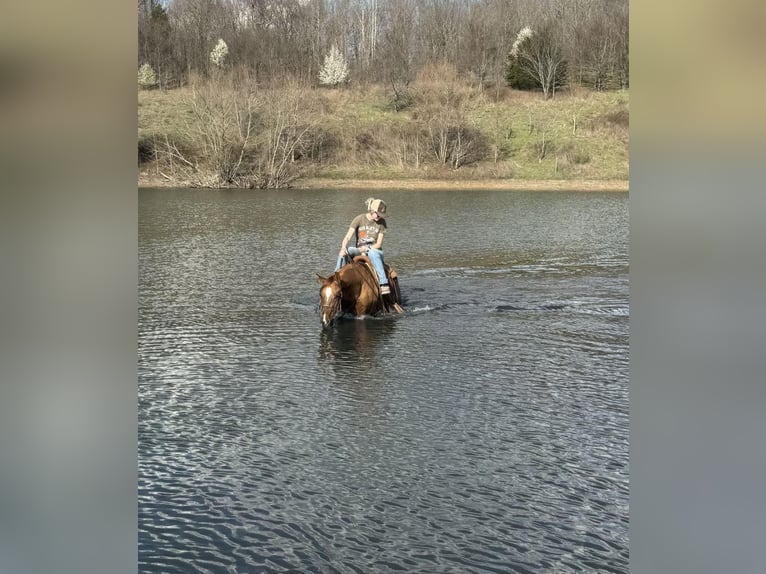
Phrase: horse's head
(329, 299)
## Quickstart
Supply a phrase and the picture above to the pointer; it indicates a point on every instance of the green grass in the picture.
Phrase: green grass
(585, 133)
(163, 112)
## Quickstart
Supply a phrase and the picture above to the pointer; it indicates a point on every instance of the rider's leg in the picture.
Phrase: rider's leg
(376, 256)
(352, 251)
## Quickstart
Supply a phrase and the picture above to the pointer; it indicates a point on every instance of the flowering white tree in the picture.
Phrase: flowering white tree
(219, 53)
(335, 68)
(524, 34)
(146, 76)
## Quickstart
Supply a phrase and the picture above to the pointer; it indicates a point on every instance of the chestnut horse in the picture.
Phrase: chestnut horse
(354, 289)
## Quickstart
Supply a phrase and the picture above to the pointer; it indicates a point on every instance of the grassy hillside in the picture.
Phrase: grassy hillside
(348, 133)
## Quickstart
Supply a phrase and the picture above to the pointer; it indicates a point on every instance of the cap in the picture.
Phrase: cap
(377, 205)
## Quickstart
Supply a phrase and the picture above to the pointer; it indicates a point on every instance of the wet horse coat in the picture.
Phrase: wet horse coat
(354, 289)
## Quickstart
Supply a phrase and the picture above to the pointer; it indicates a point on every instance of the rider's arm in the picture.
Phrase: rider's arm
(379, 242)
(346, 239)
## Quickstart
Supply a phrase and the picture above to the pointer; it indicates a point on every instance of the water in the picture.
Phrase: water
(485, 430)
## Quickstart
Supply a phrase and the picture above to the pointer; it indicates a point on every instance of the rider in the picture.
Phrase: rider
(368, 230)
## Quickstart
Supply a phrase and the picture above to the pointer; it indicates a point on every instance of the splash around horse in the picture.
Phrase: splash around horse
(354, 289)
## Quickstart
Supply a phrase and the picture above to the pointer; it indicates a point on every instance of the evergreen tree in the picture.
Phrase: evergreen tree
(519, 78)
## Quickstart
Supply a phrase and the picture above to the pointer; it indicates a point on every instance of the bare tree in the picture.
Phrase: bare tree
(197, 26)
(289, 117)
(541, 56)
(398, 39)
(365, 30)
(440, 27)
(224, 120)
(392, 40)
(154, 40)
(442, 102)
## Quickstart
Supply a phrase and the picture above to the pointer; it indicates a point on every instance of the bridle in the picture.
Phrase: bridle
(333, 306)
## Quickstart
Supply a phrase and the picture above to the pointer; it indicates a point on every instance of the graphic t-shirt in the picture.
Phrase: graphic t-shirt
(367, 231)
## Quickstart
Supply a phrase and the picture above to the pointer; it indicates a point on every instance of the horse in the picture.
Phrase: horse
(354, 289)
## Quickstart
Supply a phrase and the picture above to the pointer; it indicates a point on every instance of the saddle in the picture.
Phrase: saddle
(393, 300)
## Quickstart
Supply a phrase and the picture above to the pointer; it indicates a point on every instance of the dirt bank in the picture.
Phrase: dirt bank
(499, 184)
(145, 180)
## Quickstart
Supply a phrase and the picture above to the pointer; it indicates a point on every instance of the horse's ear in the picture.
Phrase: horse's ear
(321, 279)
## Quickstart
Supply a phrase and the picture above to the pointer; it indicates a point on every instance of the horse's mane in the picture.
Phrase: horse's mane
(363, 266)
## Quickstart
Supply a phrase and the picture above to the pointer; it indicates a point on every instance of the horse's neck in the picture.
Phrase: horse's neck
(351, 278)
(364, 268)
(346, 276)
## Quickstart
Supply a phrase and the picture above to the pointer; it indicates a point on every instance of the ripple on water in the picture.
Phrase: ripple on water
(484, 430)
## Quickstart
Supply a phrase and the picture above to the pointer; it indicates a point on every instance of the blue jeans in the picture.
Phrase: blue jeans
(376, 257)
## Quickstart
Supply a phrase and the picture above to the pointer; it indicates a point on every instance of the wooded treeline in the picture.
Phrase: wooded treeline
(384, 41)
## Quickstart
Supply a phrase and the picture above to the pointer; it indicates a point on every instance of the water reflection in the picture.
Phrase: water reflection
(355, 353)
(355, 342)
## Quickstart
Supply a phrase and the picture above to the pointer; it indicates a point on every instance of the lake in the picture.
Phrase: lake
(486, 429)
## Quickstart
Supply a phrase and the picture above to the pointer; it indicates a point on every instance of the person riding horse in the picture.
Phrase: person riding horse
(368, 230)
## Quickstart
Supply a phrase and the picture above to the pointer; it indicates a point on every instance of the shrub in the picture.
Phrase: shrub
(321, 145)
(570, 153)
(468, 146)
(619, 117)
(401, 96)
(578, 157)
(146, 77)
(615, 121)
(146, 151)
(540, 149)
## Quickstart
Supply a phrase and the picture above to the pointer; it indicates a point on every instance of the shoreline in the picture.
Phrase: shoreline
(144, 180)
(467, 184)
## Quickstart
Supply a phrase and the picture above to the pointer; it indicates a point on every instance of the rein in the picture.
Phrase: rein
(333, 306)
(335, 301)
(371, 278)
(368, 275)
